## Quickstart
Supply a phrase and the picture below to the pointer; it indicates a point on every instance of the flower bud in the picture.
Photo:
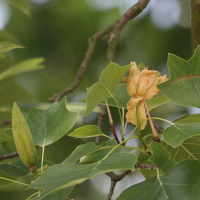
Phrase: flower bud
(23, 137)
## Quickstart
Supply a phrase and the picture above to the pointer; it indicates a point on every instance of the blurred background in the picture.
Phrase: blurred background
(58, 30)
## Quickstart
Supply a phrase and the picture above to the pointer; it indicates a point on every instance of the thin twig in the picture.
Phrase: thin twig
(5, 122)
(195, 20)
(155, 135)
(8, 156)
(144, 166)
(112, 126)
(101, 119)
(158, 128)
(11, 155)
(92, 43)
(112, 187)
(130, 14)
(115, 178)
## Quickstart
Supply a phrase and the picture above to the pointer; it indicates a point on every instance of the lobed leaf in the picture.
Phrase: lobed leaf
(109, 79)
(161, 157)
(183, 87)
(189, 149)
(48, 126)
(180, 182)
(17, 169)
(101, 153)
(177, 133)
(64, 175)
(80, 151)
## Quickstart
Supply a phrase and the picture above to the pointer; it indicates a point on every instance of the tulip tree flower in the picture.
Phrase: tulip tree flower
(141, 86)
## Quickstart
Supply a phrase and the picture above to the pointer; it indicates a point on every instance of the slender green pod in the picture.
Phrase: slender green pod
(23, 137)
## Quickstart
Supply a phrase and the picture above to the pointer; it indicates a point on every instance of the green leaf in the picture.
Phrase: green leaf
(25, 66)
(60, 194)
(189, 149)
(161, 157)
(2, 56)
(48, 126)
(87, 131)
(80, 107)
(108, 143)
(109, 79)
(177, 133)
(122, 97)
(17, 169)
(156, 101)
(80, 151)
(188, 119)
(3, 136)
(181, 182)
(64, 175)
(22, 5)
(8, 46)
(101, 153)
(183, 87)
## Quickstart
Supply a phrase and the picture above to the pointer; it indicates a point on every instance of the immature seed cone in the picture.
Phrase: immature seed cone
(23, 137)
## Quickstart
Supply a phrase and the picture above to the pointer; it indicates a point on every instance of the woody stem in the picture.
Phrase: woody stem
(155, 135)
(112, 127)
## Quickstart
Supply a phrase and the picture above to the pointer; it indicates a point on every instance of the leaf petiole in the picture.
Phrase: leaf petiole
(118, 146)
(158, 119)
(7, 179)
(125, 147)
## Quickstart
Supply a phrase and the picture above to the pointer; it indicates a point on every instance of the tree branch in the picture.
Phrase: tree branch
(195, 21)
(113, 37)
(130, 14)
(112, 187)
(92, 43)
(8, 156)
(115, 178)
(5, 122)
(158, 128)
(11, 155)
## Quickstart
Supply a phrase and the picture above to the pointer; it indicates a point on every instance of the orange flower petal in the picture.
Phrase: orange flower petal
(153, 90)
(145, 81)
(125, 79)
(131, 115)
(133, 77)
